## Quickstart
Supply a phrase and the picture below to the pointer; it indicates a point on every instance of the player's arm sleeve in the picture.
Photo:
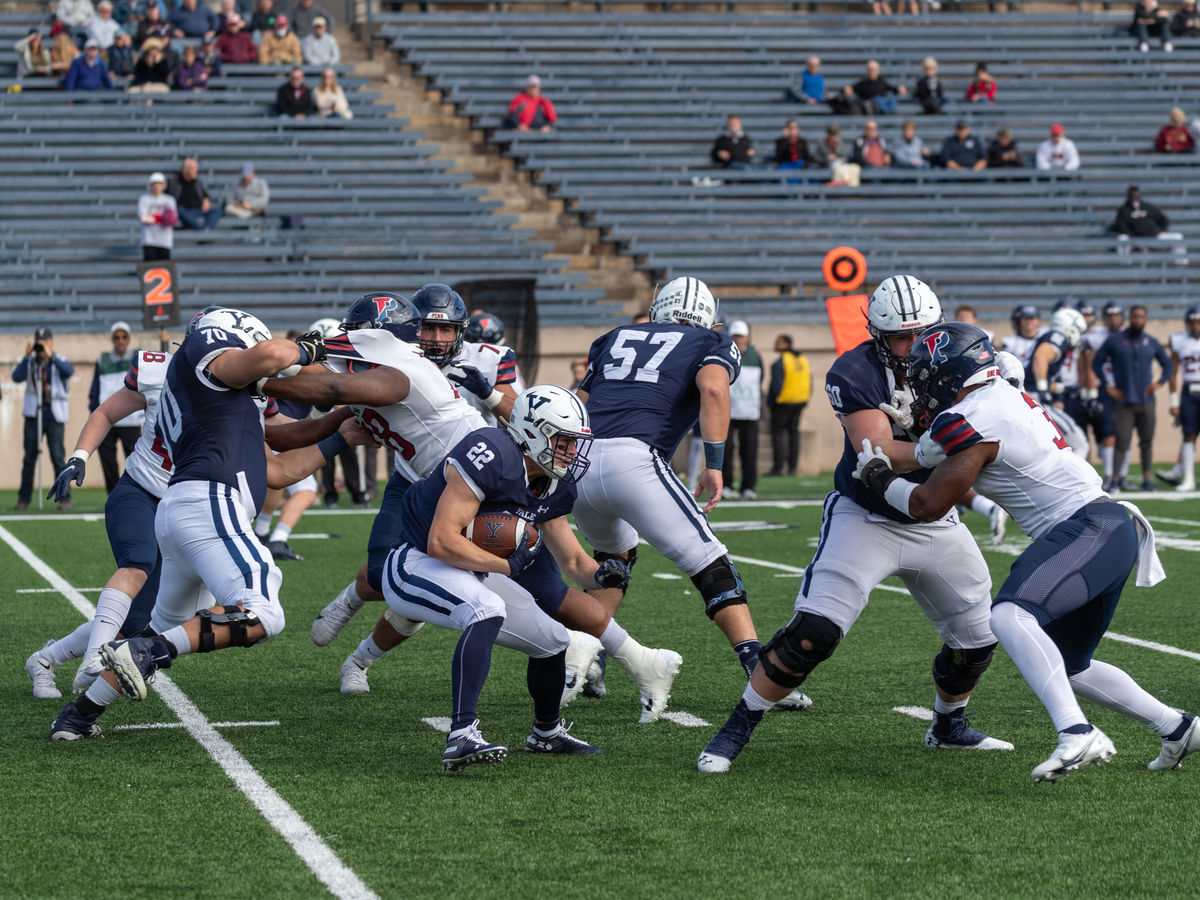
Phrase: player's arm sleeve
(593, 361)
(201, 356)
(463, 470)
(94, 391)
(506, 369)
(131, 377)
(846, 396)
(954, 433)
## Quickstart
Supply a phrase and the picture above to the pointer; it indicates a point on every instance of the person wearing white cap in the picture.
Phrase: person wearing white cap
(158, 214)
(529, 109)
(321, 48)
(249, 196)
(111, 368)
(745, 396)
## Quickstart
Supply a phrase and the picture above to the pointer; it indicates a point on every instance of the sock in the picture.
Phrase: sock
(946, 708)
(1039, 661)
(368, 653)
(982, 505)
(545, 678)
(100, 694)
(756, 702)
(352, 599)
(70, 647)
(613, 638)
(262, 524)
(111, 610)
(1113, 689)
(469, 669)
(1106, 460)
(281, 533)
(1179, 732)
(1124, 466)
(747, 654)
(547, 731)
(1077, 729)
(631, 655)
(178, 640)
(753, 715)
(1188, 466)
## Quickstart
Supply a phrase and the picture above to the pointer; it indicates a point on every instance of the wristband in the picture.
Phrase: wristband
(290, 371)
(898, 493)
(1089, 393)
(1175, 399)
(83, 455)
(714, 454)
(494, 399)
(333, 445)
(1043, 386)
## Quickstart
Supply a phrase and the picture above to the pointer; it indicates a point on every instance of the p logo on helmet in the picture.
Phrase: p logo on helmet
(935, 343)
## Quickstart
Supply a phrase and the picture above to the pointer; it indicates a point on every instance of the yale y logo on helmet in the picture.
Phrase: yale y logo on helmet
(545, 420)
(684, 301)
(900, 305)
(243, 326)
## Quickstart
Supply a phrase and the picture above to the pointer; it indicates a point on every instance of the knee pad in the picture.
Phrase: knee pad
(820, 633)
(958, 671)
(719, 585)
(239, 622)
(375, 575)
(404, 626)
(600, 556)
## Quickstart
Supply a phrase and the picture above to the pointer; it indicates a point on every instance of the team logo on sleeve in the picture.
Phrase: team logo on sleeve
(934, 344)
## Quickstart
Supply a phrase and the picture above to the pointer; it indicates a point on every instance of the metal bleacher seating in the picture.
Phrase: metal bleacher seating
(642, 95)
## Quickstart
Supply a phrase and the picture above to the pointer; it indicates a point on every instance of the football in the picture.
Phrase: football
(499, 533)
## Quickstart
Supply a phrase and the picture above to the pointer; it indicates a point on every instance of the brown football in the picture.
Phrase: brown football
(498, 533)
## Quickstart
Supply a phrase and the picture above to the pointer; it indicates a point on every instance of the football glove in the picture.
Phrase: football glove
(312, 348)
(929, 452)
(521, 558)
(900, 410)
(1012, 369)
(612, 573)
(72, 471)
(470, 379)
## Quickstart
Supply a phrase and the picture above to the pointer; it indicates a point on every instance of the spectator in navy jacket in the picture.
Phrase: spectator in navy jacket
(120, 54)
(193, 20)
(962, 152)
(929, 91)
(294, 99)
(733, 148)
(1131, 353)
(88, 72)
(529, 109)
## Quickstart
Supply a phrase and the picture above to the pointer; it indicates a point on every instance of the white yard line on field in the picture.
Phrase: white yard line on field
(917, 712)
(307, 844)
(438, 723)
(687, 720)
(155, 725)
(750, 560)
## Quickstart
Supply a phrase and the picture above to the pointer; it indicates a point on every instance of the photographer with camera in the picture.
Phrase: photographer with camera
(46, 375)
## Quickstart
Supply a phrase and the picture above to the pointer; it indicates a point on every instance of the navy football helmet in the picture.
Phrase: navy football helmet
(191, 326)
(1085, 307)
(383, 309)
(1191, 320)
(1061, 303)
(439, 304)
(484, 328)
(1025, 311)
(947, 358)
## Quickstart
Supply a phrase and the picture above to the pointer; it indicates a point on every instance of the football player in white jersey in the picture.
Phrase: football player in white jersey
(1185, 399)
(1062, 591)
(1053, 365)
(1027, 328)
(1099, 403)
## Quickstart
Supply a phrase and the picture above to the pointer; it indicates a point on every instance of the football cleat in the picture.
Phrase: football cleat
(999, 521)
(333, 618)
(41, 672)
(89, 670)
(961, 736)
(594, 687)
(354, 679)
(654, 679)
(749, 494)
(581, 653)
(1173, 752)
(1075, 751)
(470, 748)
(71, 725)
(1188, 484)
(1123, 485)
(281, 550)
(1170, 476)
(559, 742)
(728, 493)
(795, 700)
(727, 743)
(1147, 486)
(1108, 485)
(133, 662)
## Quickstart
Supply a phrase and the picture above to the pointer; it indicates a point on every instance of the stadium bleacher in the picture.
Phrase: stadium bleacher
(641, 96)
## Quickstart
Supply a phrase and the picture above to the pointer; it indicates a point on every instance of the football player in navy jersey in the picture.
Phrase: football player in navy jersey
(1052, 354)
(864, 540)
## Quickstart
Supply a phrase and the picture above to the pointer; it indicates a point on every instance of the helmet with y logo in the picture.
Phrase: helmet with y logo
(545, 420)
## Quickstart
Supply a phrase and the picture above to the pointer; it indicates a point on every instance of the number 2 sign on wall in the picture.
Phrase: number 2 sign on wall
(160, 292)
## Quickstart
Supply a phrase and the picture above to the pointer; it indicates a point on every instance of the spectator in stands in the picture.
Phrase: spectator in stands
(962, 152)
(294, 100)
(152, 74)
(248, 196)
(1138, 219)
(929, 87)
(1175, 138)
(529, 109)
(1058, 151)
(1003, 153)
(331, 99)
(809, 85)
(107, 378)
(152, 26)
(788, 394)
(120, 54)
(278, 45)
(870, 150)
(158, 214)
(192, 75)
(745, 395)
(321, 48)
(208, 53)
(62, 54)
(733, 148)
(1149, 18)
(102, 26)
(74, 13)
(983, 88)
(191, 19)
(228, 8)
(579, 367)
(872, 94)
(235, 45)
(1186, 22)
(264, 19)
(195, 208)
(881, 7)
(832, 150)
(304, 13)
(910, 151)
(48, 372)
(33, 56)
(88, 72)
(791, 150)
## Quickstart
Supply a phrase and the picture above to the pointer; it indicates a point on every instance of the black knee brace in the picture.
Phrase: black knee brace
(719, 585)
(600, 556)
(820, 633)
(239, 621)
(958, 671)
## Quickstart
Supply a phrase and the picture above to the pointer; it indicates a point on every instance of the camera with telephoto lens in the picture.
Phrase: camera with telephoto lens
(39, 348)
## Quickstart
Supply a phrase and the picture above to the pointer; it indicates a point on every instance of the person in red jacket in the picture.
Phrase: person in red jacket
(1174, 138)
(529, 109)
(235, 45)
(983, 88)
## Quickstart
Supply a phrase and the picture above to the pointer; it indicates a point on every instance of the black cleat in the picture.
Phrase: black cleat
(559, 742)
(280, 550)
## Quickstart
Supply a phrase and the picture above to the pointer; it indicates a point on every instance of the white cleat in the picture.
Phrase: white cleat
(712, 764)
(333, 618)
(1173, 752)
(354, 679)
(581, 653)
(90, 668)
(999, 519)
(1188, 484)
(41, 672)
(794, 700)
(654, 679)
(749, 495)
(1074, 751)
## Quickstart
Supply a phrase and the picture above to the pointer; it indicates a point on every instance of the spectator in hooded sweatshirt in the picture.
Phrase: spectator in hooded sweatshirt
(1057, 152)
(1139, 219)
(530, 109)
(910, 152)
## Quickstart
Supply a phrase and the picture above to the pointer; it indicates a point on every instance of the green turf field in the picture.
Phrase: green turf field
(841, 800)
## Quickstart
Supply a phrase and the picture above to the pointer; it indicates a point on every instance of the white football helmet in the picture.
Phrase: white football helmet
(540, 416)
(1070, 323)
(328, 327)
(245, 327)
(901, 304)
(685, 301)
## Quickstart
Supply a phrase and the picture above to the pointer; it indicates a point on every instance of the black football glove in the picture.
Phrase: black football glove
(521, 558)
(1095, 408)
(612, 573)
(73, 470)
(312, 348)
(470, 379)
(877, 475)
